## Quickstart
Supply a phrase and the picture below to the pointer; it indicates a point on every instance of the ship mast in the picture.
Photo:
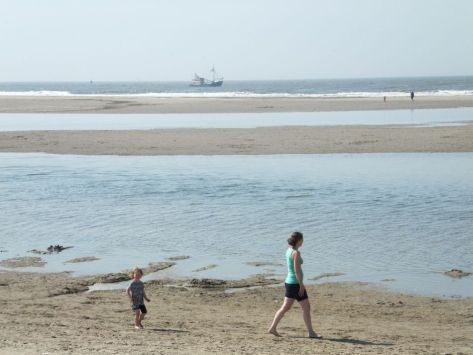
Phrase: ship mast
(213, 73)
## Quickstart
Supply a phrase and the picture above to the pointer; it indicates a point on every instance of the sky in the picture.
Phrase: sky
(166, 40)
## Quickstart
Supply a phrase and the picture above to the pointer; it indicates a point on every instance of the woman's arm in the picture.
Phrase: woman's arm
(297, 268)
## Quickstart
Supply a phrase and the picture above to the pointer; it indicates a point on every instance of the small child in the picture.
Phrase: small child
(136, 292)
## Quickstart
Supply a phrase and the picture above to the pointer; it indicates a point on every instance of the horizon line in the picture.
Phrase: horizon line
(235, 80)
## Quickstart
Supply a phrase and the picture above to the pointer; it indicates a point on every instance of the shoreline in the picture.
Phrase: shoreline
(259, 276)
(133, 104)
(244, 141)
(201, 317)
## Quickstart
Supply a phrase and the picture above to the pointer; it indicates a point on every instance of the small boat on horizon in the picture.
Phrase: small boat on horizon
(199, 81)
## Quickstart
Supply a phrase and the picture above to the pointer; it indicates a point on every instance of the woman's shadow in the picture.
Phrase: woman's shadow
(352, 341)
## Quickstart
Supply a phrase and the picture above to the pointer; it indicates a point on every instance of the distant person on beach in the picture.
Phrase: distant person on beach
(412, 95)
(137, 295)
(295, 289)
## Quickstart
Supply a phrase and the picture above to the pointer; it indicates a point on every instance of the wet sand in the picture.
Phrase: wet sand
(267, 140)
(130, 104)
(51, 313)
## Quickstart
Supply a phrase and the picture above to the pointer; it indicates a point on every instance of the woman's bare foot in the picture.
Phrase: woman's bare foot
(314, 335)
(137, 327)
(274, 332)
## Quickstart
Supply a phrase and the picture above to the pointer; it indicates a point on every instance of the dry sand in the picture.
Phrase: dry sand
(268, 140)
(130, 104)
(50, 313)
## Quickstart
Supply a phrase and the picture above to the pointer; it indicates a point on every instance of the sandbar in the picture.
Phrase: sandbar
(140, 104)
(234, 141)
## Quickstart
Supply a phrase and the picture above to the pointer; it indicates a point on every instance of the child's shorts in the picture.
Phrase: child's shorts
(140, 307)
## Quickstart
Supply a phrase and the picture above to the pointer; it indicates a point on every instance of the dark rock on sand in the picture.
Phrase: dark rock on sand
(262, 263)
(111, 278)
(57, 248)
(51, 249)
(180, 257)
(40, 252)
(69, 290)
(208, 267)
(391, 304)
(125, 276)
(456, 273)
(23, 261)
(82, 259)
(206, 283)
(158, 266)
(327, 274)
(255, 280)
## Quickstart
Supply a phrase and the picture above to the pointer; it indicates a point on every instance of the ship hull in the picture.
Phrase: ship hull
(211, 84)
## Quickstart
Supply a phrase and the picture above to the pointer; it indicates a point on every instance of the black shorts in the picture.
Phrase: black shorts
(141, 307)
(292, 291)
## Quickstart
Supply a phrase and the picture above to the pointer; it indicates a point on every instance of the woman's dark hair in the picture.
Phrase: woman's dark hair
(294, 238)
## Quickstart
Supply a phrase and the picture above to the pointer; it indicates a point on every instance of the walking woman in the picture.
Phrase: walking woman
(295, 289)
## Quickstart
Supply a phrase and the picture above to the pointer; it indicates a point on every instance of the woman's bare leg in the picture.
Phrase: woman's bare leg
(305, 305)
(286, 306)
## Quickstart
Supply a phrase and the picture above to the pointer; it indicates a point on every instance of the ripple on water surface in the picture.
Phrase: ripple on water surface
(406, 217)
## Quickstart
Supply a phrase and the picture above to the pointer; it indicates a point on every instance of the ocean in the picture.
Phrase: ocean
(401, 218)
(376, 87)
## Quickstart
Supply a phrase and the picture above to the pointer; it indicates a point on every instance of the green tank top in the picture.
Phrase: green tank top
(291, 272)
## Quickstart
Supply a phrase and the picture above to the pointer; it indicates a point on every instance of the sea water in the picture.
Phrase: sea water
(368, 87)
(88, 121)
(402, 217)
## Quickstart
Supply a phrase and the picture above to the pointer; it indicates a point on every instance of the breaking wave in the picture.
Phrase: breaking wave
(242, 94)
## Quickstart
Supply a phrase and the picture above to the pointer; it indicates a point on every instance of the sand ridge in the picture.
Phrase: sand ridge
(228, 141)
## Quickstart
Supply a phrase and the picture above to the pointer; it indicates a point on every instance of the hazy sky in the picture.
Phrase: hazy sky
(59, 40)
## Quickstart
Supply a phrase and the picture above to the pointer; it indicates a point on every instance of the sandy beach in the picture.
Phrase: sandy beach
(191, 138)
(134, 104)
(269, 140)
(52, 313)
